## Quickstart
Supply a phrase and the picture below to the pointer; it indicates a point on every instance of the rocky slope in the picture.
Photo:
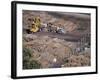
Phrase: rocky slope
(53, 52)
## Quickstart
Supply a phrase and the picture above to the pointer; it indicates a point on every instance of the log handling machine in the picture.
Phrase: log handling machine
(38, 26)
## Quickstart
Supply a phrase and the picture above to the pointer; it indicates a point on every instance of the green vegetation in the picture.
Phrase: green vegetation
(27, 52)
(28, 62)
(31, 64)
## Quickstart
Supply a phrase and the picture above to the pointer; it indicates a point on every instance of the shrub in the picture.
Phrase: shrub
(34, 64)
(27, 52)
(28, 63)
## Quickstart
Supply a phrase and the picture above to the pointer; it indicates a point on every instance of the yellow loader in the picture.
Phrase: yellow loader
(36, 25)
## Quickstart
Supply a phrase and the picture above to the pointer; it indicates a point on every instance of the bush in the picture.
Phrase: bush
(28, 63)
(34, 65)
(27, 52)
(31, 64)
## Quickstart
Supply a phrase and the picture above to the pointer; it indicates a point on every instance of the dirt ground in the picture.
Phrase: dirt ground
(54, 52)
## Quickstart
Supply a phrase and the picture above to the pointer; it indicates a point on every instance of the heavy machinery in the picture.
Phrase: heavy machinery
(35, 25)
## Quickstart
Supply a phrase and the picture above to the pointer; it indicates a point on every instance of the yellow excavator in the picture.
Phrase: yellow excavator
(36, 24)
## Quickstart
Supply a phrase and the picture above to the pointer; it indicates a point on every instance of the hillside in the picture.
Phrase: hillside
(54, 52)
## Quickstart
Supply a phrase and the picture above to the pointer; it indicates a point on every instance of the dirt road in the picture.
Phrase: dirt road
(67, 36)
